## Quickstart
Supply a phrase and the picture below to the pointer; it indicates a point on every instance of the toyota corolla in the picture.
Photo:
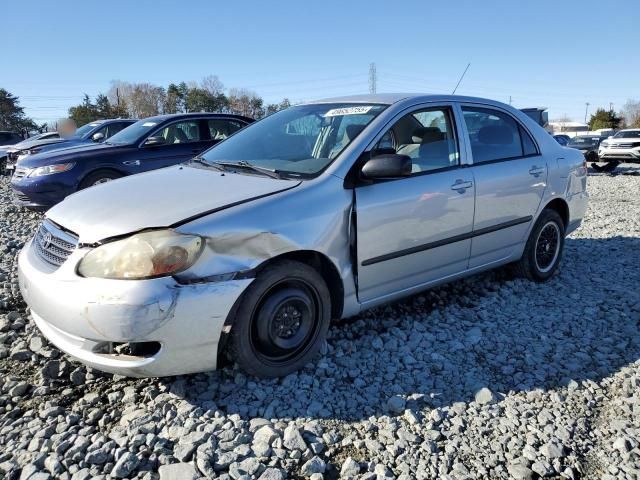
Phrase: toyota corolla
(311, 214)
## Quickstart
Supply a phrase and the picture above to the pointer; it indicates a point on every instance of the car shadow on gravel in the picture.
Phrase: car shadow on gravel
(442, 346)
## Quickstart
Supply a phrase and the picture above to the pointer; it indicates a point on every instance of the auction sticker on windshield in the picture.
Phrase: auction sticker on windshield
(336, 112)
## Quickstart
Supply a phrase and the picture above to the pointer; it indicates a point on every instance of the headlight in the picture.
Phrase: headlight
(604, 144)
(151, 254)
(51, 169)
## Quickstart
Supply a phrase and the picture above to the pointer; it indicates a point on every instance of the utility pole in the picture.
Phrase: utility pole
(509, 99)
(585, 112)
(373, 78)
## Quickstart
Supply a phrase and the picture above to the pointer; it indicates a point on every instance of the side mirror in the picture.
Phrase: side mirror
(154, 141)
(98, 137)
(387, 165)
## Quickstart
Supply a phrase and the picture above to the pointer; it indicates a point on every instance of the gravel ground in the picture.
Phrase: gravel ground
(491, 377)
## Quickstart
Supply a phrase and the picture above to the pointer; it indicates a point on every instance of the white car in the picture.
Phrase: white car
(623, 146)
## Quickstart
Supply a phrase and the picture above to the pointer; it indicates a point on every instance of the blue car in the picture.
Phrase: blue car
(44, 179)
(94, 132)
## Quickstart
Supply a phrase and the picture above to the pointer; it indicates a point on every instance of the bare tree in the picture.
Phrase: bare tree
(213, 85)
(141, 99)
(246, 102)
(631, 113)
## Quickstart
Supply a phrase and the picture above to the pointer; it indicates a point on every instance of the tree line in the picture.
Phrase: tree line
(12, 116)
(141, 100)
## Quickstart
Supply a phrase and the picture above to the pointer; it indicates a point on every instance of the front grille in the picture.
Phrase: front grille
(20, 172)
(625, 145)
(52, 244)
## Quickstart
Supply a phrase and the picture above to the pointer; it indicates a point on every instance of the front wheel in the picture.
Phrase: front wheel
(544, 247)
(97, 178)
(282, 320)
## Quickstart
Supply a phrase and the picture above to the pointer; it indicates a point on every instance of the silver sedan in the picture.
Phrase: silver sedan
(311, 214)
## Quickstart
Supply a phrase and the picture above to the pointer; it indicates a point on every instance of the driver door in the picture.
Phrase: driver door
(415, 230)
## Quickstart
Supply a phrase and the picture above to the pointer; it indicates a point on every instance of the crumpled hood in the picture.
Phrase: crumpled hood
(159, 198)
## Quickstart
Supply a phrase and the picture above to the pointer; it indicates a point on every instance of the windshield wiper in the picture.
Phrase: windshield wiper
(202, 161)
(250, 166)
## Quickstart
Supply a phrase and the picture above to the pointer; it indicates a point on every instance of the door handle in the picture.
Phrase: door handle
(461, 186)
(131, 162)
(536, 171)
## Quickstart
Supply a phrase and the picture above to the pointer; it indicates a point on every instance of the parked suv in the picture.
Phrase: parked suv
(43, 179)
(587, 144)
(316, 212)
(623, 146)
(94, 132)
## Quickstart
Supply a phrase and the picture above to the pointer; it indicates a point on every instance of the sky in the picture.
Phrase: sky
(556, 54)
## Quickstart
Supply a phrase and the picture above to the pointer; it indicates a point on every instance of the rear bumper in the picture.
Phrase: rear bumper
(81, 315)
(578, 204)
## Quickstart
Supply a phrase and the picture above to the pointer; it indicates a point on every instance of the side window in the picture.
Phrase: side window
(180, 132)
(114, 128)
(219, 129)
(427, 137)
(528, 145)
(494, 135)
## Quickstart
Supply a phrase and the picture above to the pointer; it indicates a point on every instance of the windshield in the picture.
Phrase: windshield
(628, 134)
(301, 140)
(83, 130)
(582, 141)
(134, 132)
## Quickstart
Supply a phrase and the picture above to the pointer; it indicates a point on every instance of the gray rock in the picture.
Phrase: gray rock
(350, 468)
(126, 464)
(292, 439)
(314, 465)
(178, 471)
(552, 450)
(484, 396)
(396, 404)
(272, 474)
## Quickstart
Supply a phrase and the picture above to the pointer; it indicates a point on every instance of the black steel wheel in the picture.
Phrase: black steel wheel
(281, 321)
(543, 251)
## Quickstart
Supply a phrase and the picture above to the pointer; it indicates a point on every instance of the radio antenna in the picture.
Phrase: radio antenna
(461, 77)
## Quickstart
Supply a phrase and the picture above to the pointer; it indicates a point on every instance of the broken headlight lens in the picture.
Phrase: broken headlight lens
(151, 254)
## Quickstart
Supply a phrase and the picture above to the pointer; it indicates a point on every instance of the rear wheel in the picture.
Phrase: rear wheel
(99, 177)
(543, 251)
(282, 320)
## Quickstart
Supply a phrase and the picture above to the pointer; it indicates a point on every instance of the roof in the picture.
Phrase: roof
(391, 98)
(168, 116)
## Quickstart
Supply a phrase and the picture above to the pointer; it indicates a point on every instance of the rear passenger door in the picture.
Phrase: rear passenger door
(417, 229)
(510, 177)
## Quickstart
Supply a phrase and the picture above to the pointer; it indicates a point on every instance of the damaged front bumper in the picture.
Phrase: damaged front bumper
(139, 328)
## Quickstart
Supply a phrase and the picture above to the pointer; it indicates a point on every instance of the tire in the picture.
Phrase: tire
(543, 251)
(281, 321)
(98, 177)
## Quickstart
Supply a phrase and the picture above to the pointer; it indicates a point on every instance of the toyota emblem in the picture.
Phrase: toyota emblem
(46, 240)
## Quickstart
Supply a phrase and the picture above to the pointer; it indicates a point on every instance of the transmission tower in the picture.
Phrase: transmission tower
(373, 78)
